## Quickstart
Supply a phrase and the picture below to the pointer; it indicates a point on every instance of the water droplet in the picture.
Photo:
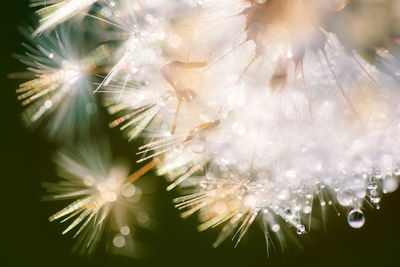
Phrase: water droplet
(360, 191)
(143, 219)
(125, 230)
(396, 172)
(288, 214)
(276, 228)
(283, 195)
(378, 174)
(119, 241)
(390, 184)
(301, 229)
(372, 185)
(307, 209)
(106, 12)
(250, 201)
(376, 200)
(128, 190)
(345, 198)
(356, 218)
(372, 192)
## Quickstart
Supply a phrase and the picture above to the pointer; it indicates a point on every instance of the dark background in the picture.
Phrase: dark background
(28, 239)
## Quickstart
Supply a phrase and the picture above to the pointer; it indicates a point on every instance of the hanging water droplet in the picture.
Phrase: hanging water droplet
(372, 185)
(345, 198)
(360, 190)
(288, 214)
(378, 174)
(396, 171)
(390, 184)
(356, 218)
(376, 200)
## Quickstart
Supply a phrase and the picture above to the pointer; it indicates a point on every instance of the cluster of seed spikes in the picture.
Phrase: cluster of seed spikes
(252, 109)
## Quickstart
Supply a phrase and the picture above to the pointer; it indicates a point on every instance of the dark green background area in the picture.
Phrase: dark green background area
(28, 239)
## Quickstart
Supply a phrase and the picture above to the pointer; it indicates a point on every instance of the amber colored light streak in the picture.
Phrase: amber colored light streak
(142, 171)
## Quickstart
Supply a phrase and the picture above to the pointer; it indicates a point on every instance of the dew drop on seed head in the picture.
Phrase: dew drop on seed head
(356, 218)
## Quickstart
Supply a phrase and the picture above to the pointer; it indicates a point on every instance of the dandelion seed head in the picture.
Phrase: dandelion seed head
(102, 196)
(255, 109)
(59, 88)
